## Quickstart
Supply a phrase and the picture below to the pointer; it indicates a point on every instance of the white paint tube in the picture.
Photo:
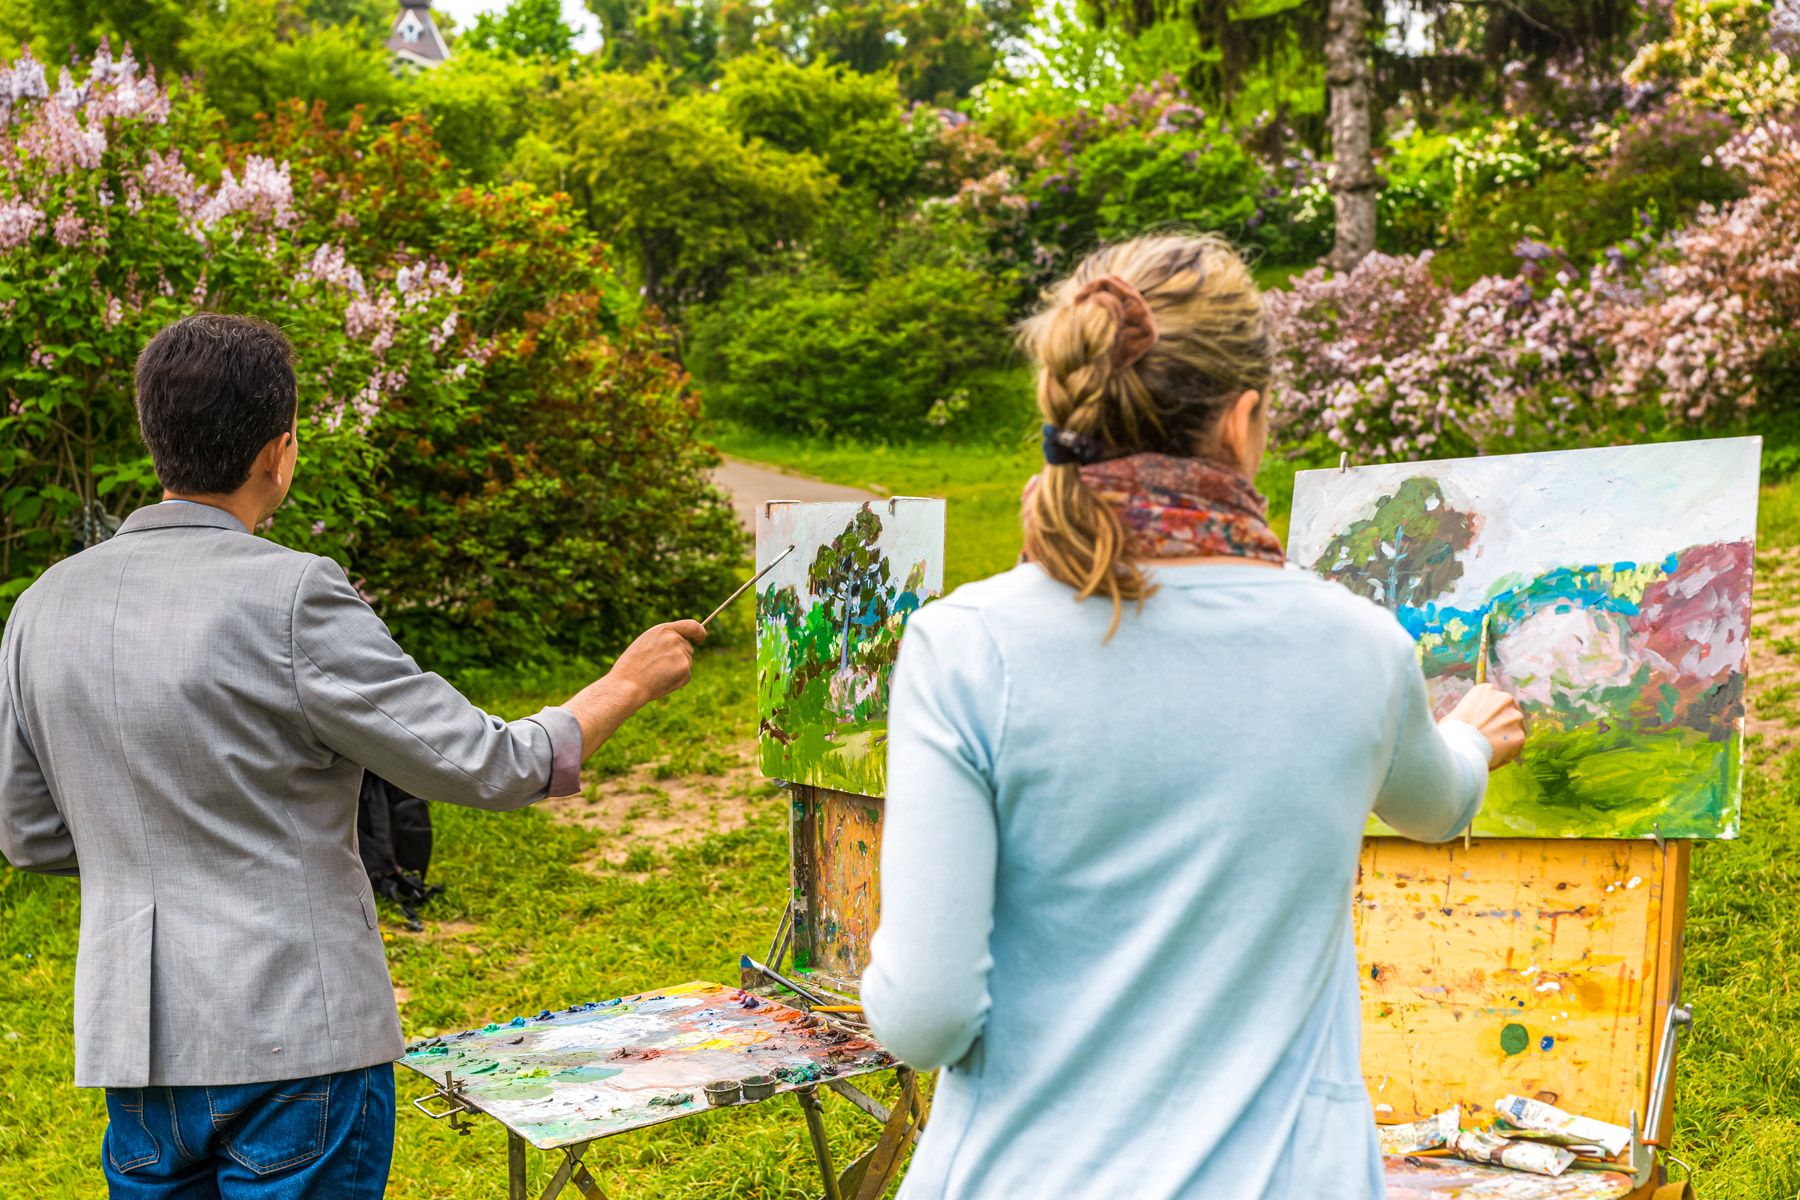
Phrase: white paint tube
(1536, 1115)
(1426, 1134)
(1520, 1156)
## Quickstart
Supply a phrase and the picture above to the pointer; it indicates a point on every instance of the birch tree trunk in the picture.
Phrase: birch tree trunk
(1353, 181)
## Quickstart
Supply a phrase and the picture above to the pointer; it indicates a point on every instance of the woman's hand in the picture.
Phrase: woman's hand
(1498, 717)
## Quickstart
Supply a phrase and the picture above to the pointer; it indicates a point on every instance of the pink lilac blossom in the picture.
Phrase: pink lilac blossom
(70, 230)
(265, 192)
(20, 221)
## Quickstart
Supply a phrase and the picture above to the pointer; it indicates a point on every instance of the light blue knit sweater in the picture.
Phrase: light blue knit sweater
(1116, 881)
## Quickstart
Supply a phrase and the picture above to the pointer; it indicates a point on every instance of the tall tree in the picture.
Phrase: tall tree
(524, 29)
(1353, 179)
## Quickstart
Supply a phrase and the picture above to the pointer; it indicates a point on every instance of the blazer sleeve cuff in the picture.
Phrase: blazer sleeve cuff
(565, 749)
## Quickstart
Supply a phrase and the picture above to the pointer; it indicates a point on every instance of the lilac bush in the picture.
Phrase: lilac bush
(113, 222)
(1386, 361)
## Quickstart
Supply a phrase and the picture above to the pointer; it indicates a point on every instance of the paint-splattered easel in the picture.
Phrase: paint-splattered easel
(563, 1080)
(1544, 967)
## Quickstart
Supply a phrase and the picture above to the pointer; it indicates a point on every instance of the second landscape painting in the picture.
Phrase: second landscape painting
(828, 625)
(1615, 588)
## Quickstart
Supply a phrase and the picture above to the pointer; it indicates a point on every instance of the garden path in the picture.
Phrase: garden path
(750, 483)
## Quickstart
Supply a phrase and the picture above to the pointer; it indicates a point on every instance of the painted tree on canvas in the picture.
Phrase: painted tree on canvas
(851, 576)
(1405, 552)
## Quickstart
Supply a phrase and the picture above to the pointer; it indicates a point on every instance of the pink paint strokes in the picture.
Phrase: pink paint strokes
(1615, 584)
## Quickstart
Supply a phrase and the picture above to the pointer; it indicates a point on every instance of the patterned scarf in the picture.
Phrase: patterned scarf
(1183, 507)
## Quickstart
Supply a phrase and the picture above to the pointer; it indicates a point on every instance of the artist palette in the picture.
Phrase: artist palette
(569, 1076)
(1422, 1178)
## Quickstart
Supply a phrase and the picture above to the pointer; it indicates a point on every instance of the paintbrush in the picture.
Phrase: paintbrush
(838, 1008)
(747, 585)
(750, 964)
(1481, 657)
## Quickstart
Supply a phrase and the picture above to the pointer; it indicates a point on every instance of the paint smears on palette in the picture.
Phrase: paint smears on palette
(1447, 1179)
(1616, 587)
(597, 1069)
(828, 624)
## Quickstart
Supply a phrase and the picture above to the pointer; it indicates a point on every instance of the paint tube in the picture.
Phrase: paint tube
(1520, 1156)
(1547, 1118)
(1585, 1149)
(1428, 1134)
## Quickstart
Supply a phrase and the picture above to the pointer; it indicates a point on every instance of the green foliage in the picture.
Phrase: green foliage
(911, 351)
(848, 121)
(485, 108)
(500, 451)
(668, 179)
(254, 55)
(1123, 185)
(1658, 175)
(563, 506)
(523, 29)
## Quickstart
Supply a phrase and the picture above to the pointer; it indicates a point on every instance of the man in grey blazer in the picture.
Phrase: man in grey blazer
(186, 712)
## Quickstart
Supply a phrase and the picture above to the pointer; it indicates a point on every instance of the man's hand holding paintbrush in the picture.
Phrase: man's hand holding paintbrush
(659, 662)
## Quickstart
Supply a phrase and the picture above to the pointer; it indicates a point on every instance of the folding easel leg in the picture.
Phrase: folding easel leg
(572, 1171)
(815, 1125)
(515, 1166)
(884, 1160)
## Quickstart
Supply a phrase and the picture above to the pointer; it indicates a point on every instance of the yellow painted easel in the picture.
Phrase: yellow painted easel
(1545, 968)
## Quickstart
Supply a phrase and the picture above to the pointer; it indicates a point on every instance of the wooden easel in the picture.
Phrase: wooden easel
(1536, 967)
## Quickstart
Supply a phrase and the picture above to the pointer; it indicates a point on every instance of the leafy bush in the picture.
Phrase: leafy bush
(493, 442)
(1661, 170)
(807, 351)
(852, 123)
(667, 177)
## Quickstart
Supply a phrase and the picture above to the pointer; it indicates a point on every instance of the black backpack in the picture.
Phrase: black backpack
(393, 834)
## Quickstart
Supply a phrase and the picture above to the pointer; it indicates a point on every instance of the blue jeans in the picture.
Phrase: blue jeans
(326, 1138)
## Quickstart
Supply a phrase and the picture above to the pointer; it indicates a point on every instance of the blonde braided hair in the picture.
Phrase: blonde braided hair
(1210, 346)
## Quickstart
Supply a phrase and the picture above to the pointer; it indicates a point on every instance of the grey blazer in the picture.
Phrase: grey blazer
(185, 715)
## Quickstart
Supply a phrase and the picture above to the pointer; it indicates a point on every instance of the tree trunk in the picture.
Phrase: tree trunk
(1353, 181)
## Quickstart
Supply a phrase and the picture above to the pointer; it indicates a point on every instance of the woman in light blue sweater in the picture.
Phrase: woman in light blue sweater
(1127, 782)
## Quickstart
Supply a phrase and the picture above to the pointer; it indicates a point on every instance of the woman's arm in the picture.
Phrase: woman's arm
(925, 989)
(1438, 775)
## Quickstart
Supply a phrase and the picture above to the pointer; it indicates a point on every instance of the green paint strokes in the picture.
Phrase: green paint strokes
(826, 646)
(1514, 1039)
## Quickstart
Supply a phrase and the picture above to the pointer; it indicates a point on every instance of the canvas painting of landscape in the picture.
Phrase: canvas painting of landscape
(828, 624)
(1615, 586)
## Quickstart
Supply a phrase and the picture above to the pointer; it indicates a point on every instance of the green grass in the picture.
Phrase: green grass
(523, 926)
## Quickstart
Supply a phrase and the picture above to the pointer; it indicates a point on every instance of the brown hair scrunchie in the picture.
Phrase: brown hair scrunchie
(1137, 325)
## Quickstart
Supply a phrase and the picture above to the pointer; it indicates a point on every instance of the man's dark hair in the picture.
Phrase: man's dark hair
(212, 390)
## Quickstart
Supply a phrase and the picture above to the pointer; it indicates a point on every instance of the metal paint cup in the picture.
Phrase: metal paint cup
(724, 1092)
(759, 1087)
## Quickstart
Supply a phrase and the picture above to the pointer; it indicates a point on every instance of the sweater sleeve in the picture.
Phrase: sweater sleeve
(926, 985)
(1438, 774)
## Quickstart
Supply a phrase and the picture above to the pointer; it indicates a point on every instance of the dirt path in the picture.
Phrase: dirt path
(1774, 717)
(749, 484)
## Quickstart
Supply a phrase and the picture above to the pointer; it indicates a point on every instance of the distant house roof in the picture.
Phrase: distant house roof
(414, 37)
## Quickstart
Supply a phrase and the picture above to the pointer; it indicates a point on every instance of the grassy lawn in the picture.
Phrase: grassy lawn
(541, 912)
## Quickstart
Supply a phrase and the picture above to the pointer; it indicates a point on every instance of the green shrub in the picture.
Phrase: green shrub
(667, 179)
(850, 122)
(913, 351)
(1659, 173)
